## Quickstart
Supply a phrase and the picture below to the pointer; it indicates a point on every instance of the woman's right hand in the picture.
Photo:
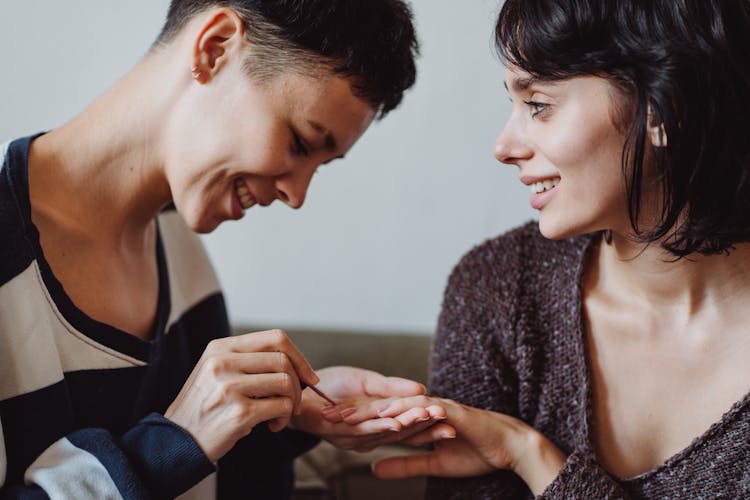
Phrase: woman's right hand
(238, 383)
(485, 441)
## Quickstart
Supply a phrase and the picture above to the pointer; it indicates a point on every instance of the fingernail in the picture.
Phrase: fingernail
(330, 409)
(423, 419)
(447, 435)
(348, 412)
(384, 410)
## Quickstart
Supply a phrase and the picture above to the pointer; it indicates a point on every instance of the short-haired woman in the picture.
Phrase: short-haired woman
(118, 377)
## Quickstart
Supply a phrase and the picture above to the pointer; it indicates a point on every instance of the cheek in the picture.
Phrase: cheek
(248, 147)
(589, 160)
(591, 152)
(206, 130)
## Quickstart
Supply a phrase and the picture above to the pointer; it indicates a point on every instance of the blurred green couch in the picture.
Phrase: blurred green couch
(327, 473)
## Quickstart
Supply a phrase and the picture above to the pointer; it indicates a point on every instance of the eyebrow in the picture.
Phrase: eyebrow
(521, 84)
(330, 141)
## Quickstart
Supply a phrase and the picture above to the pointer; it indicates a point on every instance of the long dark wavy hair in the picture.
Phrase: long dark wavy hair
(688, 61)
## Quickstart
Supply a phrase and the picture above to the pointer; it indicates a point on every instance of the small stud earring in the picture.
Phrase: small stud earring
(196, 72)
(658, 136)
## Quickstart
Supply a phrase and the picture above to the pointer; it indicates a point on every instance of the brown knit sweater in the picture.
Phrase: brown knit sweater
(510, 339)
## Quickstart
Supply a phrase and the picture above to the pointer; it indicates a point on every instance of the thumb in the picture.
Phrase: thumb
(421, 464)
(381, 386)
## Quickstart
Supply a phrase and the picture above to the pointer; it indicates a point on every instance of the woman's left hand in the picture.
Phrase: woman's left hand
(355, 387)
(485, 441)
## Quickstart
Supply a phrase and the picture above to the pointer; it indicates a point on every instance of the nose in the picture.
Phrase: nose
(511, 144)
(291, 188)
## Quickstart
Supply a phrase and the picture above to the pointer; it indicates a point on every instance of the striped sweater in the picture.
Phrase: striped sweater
(81, 401)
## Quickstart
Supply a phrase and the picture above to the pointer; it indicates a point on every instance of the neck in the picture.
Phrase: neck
(101, 174)
(683, 289)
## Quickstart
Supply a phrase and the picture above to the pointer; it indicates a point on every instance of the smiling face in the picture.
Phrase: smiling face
(239, 142)
(563, 138)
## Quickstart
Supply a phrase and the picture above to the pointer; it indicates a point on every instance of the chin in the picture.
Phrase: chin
(204, 226)
(557, 229)
(197, 222)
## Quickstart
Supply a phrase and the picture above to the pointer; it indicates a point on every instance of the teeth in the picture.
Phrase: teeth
(545, 185)
(246, 198)
(246, 202)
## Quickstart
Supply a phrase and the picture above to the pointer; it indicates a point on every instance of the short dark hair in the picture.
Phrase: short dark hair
(686, 60)
(371, 42)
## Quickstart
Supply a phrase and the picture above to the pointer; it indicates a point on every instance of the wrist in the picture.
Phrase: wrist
(539, 461)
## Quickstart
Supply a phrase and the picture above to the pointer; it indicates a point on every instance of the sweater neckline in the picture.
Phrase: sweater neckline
(583, 350)
(97, 331)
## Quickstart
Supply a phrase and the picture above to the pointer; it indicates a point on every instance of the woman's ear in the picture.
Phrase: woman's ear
(221, 33)
(656, 133)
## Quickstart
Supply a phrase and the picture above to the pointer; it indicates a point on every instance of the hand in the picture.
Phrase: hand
(351, 387)
(485, 441)
(238, 383)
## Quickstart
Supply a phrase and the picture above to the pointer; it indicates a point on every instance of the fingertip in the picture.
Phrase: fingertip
(273, 426)
(333, 418)
(445, 431)
(375, 469)
(437, 412)
(384, 410)
(396, 426)
(329, 408)
(408, 387)
(348, 415)
(385, 468)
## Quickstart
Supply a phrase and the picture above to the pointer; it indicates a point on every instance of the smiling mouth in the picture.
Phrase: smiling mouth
(246, 198)
(545, 185)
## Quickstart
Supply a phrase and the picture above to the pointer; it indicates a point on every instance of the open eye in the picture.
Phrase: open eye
(536, 108)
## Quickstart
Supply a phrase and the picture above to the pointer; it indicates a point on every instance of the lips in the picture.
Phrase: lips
(543, 189)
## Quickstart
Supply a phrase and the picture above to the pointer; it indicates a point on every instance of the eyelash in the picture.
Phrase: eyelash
(299, 147)
(537, 108)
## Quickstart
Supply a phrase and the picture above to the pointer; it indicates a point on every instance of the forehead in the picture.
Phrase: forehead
(592, 86)
(517, 80)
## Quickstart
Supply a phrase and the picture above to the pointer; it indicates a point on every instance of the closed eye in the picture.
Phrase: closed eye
(299, 147)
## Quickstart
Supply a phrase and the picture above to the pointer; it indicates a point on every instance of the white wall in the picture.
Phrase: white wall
(380, 231)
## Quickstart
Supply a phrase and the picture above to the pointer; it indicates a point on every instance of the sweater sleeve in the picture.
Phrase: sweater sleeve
(262, 463)
(468, 365)
(154, 459)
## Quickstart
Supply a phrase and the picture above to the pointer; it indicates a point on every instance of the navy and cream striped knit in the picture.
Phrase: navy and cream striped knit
(81, 401)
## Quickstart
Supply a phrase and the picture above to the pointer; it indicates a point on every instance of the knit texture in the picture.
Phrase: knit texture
(511, 339)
